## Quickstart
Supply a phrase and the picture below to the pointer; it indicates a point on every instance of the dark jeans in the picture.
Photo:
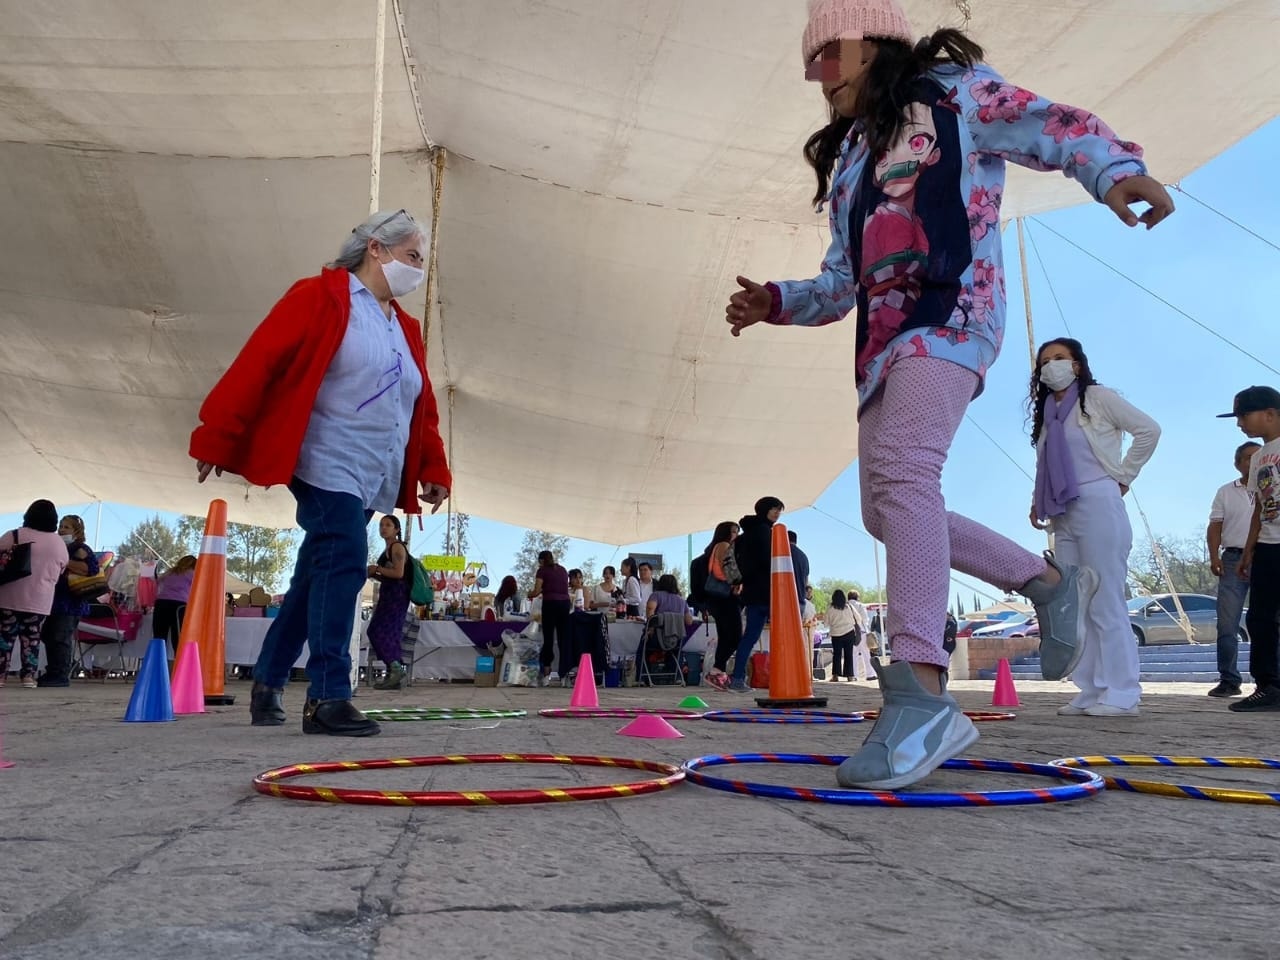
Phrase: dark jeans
(555, 635)
(1264, 607)
(319, 608)
(842, 655)
(58, 634)
(757, 617)
(166, 621)
(728, 617)
(1232, 590)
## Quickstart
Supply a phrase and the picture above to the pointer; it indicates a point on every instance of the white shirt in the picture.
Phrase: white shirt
(859, 614)
(1264, 483)
(646, 591)
(1233, 508)
(1109, 418)
(840, 623)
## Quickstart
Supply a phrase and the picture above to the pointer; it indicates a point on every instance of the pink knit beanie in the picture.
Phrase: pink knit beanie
(853, 20)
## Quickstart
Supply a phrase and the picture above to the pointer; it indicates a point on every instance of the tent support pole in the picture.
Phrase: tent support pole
(375, 145)
(1026, 293)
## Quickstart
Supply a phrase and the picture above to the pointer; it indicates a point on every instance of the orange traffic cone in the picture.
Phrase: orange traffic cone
(790, 676)
(205, 623)
(1005, 695)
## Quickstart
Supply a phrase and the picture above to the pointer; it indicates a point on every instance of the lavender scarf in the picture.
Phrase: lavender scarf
(1055, 473)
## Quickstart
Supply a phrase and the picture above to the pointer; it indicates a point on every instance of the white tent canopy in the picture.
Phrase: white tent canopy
(169, 169)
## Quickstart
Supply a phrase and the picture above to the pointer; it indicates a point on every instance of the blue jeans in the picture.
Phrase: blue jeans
(320, 606)
(1232, 591)
(757, 616)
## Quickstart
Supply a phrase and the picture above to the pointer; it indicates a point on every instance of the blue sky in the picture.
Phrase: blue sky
(1161, 361)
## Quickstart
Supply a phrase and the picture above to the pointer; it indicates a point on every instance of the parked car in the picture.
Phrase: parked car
(1019, 626)
(1154, 619)
(966, 627)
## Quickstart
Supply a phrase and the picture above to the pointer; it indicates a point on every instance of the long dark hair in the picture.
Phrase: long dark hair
(1040, 393)
(882, 101)
(838, 601)
(506, 591)
(723, 534)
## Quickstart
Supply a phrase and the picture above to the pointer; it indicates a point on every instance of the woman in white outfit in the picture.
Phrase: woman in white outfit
(1081, 478)
(861, 668)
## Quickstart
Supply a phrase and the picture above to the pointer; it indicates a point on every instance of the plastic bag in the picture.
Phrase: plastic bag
(524, 647)
(123, 578)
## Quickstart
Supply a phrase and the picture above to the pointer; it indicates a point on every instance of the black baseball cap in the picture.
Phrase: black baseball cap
(1251, 399)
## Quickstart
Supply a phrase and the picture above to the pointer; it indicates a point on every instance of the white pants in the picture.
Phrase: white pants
(862, 660)
(1095, 533)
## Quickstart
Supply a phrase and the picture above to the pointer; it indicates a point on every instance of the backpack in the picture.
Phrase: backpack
(699, 570)
(421, 592)
(732, 567)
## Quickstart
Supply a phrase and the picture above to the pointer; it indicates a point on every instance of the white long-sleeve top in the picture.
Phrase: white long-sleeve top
(840, 622)
(1110, 417)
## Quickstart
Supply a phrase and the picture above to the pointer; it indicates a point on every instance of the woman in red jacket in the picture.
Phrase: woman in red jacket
(330, 396)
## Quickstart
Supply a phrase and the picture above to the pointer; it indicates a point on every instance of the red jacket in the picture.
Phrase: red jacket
(255, 417)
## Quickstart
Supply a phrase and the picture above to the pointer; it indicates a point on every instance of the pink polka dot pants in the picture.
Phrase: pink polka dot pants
(904, 435)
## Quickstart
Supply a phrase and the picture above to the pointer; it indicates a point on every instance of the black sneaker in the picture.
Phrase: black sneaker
(266, 706)
(1260, 701)
(1225, 689)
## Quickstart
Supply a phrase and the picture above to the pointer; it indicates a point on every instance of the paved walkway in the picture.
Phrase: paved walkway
(140, 841)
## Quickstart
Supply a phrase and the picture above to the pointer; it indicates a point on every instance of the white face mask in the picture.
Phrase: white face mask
(401, 278)
(1057, 374)
(68, 539)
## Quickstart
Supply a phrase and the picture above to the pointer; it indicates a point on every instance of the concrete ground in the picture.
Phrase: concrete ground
(138, 841)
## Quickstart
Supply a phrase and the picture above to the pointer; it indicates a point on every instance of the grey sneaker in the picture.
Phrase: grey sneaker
(1060, 611)
(739, 686)
(914, 734)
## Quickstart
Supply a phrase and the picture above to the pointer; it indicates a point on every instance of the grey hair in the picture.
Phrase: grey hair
(388, 227)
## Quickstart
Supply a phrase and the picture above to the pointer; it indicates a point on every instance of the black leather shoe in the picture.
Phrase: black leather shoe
(337, 718)
(266, 706)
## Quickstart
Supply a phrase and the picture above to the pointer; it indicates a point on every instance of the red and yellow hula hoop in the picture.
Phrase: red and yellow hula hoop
(269, 781)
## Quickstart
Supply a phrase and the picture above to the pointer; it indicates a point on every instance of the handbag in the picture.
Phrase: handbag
(715, 587)
(732, 572)
(15, 561)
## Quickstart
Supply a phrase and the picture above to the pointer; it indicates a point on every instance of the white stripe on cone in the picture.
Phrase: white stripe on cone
(214, 545)
(782, 565)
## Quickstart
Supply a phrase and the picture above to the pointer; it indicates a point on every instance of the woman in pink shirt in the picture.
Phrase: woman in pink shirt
(26, 602)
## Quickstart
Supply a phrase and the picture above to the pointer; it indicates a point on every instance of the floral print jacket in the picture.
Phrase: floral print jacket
(915, 234)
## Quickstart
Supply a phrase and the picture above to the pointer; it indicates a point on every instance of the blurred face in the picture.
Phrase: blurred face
(733, 534)
(841, 67)
(575, 580)
(387, 529)
(774, 514)
(68, 528)
(646, 574)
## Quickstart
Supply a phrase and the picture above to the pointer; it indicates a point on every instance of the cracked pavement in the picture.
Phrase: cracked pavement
(145, 841)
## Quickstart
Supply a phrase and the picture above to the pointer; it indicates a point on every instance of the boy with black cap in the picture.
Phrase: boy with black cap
(1257, 414)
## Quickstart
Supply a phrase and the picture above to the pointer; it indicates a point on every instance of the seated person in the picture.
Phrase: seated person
(666, 598)
(509, 603)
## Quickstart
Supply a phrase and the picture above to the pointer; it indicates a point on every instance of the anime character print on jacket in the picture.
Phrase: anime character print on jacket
(915, 233)
(907, 204)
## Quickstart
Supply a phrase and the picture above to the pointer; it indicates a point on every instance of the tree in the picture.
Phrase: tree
(1186, 559)
(154, 539)
(526, 563)
(589, 575)
(260, 555)
(455, 535)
